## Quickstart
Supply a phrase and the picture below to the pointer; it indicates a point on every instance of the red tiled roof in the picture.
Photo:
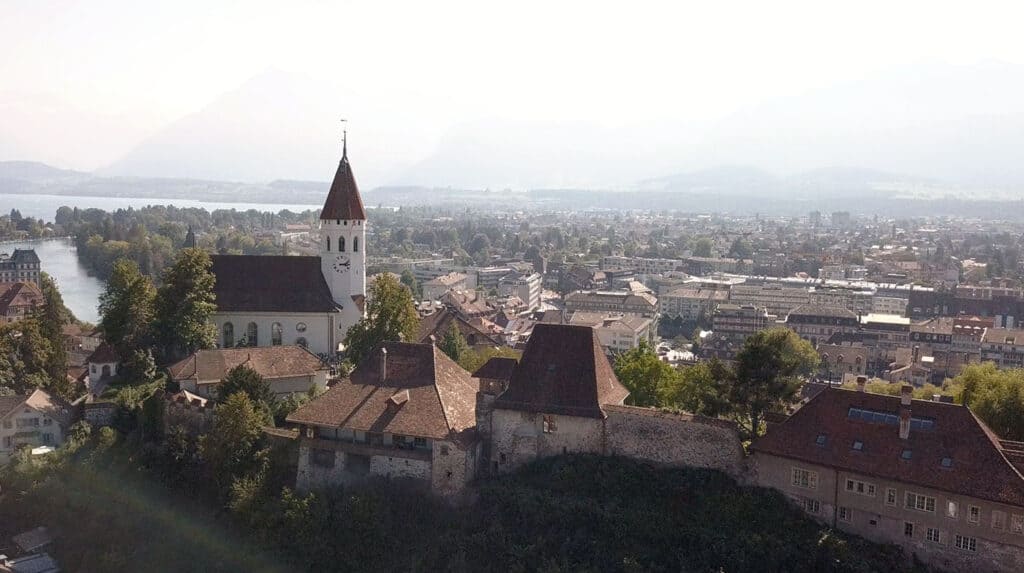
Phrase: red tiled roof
(437, 325)
(343, 200)
(440, 401)
(979, 467)
(19, 295)
(270, 361)
(104, 353)
(563, 371)
(497, 368)
(249, 283)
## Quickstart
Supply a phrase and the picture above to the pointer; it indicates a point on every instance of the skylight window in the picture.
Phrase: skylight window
(858, 445)
(947, 462)
(822, 438)
(907, 454)
(889, 418)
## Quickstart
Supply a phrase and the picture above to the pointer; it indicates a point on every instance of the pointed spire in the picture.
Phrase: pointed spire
(343, 200)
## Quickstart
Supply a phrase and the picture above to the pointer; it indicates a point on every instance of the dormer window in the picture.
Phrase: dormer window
(906, 455)
(821, 439)
(947, 463)
(858, 446)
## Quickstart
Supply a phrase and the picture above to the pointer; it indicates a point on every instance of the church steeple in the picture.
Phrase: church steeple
(343, 200)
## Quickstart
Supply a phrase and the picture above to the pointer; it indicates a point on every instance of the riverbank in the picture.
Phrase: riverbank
(59, 258)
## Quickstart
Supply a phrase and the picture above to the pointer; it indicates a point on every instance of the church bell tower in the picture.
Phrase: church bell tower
(343, 243)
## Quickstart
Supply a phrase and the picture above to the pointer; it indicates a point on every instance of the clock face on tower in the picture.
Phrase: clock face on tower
(341, 264)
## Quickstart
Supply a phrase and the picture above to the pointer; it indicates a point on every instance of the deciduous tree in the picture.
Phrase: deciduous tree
(644, 375)
(184, 304)
(390, 316)
(127, 308)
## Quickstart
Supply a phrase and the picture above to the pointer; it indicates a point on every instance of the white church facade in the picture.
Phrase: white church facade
(305, 301)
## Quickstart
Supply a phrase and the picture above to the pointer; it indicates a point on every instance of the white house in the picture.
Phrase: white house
(287, 369)
(304, 301)
(38, 419)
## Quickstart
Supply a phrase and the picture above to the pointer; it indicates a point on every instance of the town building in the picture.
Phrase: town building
(1004, 347)
(434, 288)
(308, 301)
(287, 369)
(626, 302)
(526, 286)
(927, 476)
(35, 420)
(776, 298)
(18, 300)
(640, 264)
(690, 304)
(434, 327)
(818, 323)
(21, 266)
(617, 332)
(406, 412)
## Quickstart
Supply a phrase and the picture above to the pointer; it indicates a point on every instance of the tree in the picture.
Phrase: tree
(454, 344)
(768, 375)
(409, 280)
(126, 308)
(701, 389)
(52, 318)
(184, 304)
(472, 360)
(140, 367)
(644, 374)
(245, 380)
(702, 248)
(996, 396)
(741, 249)
(231, 448)
(390, 316)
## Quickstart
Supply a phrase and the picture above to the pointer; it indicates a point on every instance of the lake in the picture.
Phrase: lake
(81, 292)
(45, 206)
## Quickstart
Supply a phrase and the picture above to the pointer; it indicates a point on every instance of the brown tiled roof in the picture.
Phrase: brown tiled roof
(979, 467)
(563, 371)
(211, 366)
(343, 200)
(41, 400)
(23, 295)
(441, 401)
(249, 283)
(437, 325)
(497, 368)
(104, 353)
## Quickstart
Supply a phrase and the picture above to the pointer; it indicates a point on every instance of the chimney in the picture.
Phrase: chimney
(862, 381)
(917, 350)
(905, 396)
(383, 364)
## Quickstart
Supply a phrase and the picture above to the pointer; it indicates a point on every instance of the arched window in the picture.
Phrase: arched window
(355, 245)
(328, 243)
(229, 335)
(301, 341)
(341, 244)
(275, 334)
(252, 335)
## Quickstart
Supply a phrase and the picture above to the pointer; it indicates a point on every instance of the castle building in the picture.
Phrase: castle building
(307, 301)
(22, 266)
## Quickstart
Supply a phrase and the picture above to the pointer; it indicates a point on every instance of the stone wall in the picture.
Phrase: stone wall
(99, 414)
(519, 437)
(454, 466)
(675, 439)
(194, 418)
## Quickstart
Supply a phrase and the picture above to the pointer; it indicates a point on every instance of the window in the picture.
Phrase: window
(821, 439)
(355, 244)
(328, 244)
(549, 424)
(919, 502)
(907, 454)
(341, 244)
(420, 443)
(947, 463)
(952, 509)
(252, 335)
(8, 424)
(908, 529)
(47, 438)
(858, 445)
(444, 450)
(998, 520)
(323, 458)
(1016, 523)
(805, 478)
(973, 514)
(845, 514)
(47, 421)
(301, 341)
(860, 487)
(229, 335)
(890, 496)
(809, 505)
(275, 334)
(300, 327)
(966, 543)
(932, 534)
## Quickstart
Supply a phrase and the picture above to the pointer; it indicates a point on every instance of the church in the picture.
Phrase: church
(305, 301)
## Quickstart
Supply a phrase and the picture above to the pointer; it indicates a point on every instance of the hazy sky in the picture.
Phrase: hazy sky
(148, 63)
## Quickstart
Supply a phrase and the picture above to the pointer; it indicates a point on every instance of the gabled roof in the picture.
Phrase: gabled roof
(343, 200)
(249, 283)
(23, 295)
(433, 396)
(978, 468)
(437, 325)
(103, 354)
(40, 400)
(211, 366)
(563, 371)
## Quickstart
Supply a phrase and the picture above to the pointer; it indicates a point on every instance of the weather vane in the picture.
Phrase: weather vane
(344, 138)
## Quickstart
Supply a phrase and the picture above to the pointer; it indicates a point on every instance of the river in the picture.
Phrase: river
(81, 292)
